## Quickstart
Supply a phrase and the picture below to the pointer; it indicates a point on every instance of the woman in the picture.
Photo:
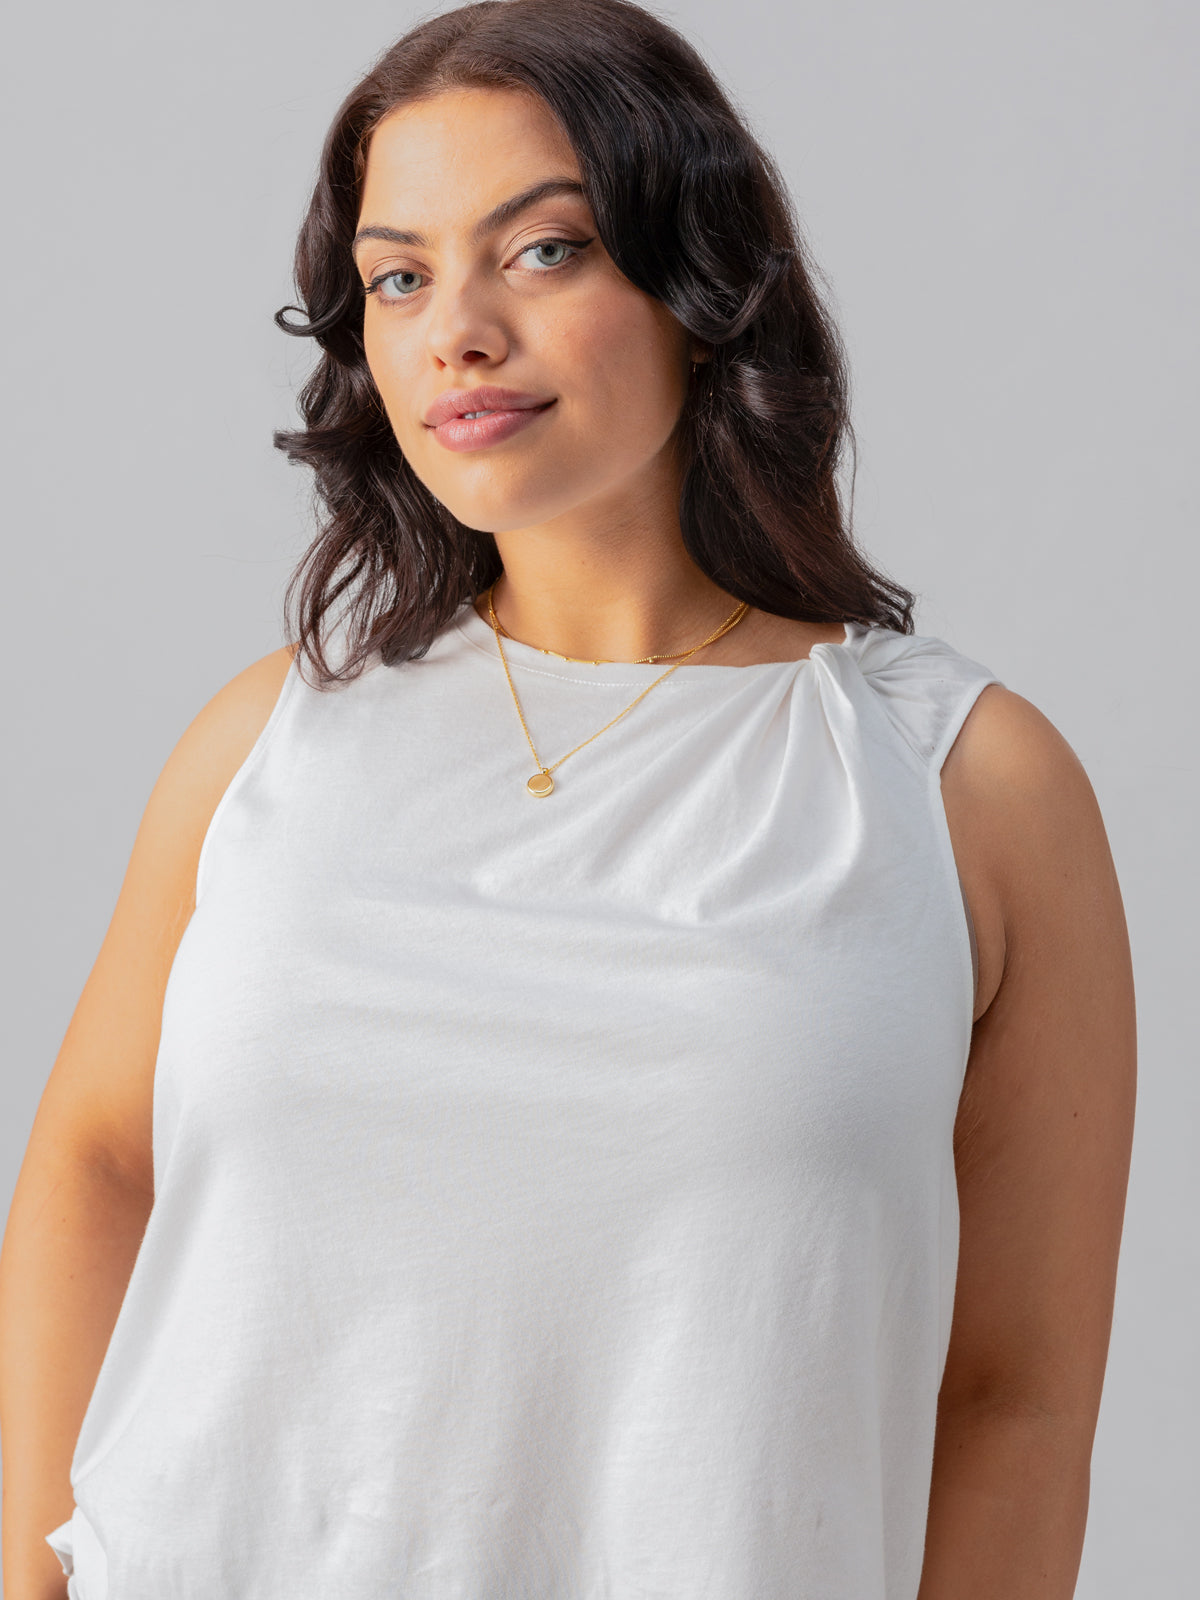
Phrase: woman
(643, 1098)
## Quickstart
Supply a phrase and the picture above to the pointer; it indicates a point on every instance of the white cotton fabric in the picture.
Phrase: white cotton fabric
(555, 1198)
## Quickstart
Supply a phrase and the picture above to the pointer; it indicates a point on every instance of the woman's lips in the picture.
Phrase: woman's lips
(473, 433)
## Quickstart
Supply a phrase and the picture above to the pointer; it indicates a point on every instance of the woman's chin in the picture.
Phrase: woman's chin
(496, 515)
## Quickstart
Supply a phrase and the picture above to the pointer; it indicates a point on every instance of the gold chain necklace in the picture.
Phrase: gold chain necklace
(641, 661)
(542, 783)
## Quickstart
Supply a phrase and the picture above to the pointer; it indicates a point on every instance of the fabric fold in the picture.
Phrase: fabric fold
(62, 1542)
(81, 1556)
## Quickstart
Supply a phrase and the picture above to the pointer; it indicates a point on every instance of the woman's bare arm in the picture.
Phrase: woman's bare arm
(1042, 1150)
(86, 1185)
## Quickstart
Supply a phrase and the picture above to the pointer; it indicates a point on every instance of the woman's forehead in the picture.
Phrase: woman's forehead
(428, 168)
(461, 131)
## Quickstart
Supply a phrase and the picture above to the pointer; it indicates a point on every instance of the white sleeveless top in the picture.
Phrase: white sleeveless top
(555, 1197)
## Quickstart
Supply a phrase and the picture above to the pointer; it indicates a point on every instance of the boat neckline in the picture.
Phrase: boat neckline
(528, 658)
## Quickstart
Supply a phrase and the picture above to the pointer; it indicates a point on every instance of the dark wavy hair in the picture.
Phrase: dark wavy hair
(693, 212)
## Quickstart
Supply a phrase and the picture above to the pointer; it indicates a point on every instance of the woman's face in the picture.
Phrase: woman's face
(524, 304)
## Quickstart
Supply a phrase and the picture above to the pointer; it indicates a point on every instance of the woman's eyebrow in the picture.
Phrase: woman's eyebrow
(497, 217)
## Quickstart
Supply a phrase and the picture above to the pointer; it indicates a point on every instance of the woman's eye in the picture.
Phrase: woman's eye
(407, 289)
(575, 246)
(376, 284)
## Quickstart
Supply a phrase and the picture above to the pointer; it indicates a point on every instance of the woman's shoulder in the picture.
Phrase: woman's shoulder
(1024, 822)
(889, 657)
(958, 711)
(925, 685)
(1028, 831)
(1010, 760)
(201, 766)
(229, 725)
(258, 685)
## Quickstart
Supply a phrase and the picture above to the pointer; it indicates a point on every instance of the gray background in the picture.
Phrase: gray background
(1002, 198)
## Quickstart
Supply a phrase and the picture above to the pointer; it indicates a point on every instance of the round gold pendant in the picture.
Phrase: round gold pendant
(541, 783)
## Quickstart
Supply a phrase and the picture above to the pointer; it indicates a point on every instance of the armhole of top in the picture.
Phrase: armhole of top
(968, 944)
(253, 756)
(973, 941)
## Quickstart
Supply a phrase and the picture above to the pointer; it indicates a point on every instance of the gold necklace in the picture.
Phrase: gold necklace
(641, 661)
(542, 783)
